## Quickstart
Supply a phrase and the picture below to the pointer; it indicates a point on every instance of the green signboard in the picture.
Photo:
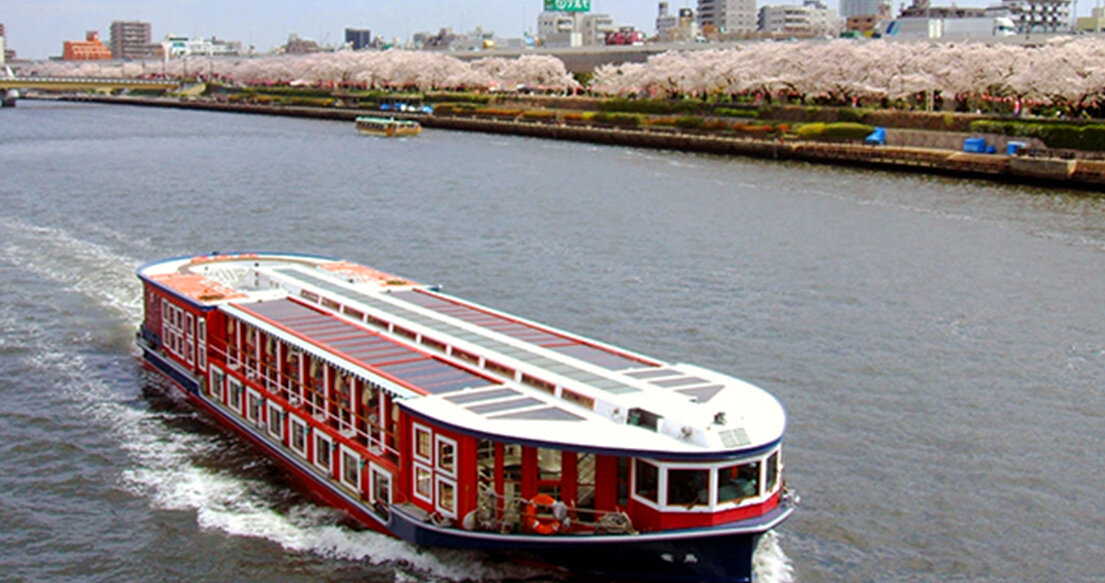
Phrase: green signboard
(568, 5)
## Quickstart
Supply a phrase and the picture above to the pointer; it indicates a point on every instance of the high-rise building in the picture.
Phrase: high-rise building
(358, 38)
(130, 39)
(1036, 16)
(728, 16)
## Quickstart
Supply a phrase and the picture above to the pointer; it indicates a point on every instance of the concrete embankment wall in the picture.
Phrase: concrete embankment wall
(1084, 174)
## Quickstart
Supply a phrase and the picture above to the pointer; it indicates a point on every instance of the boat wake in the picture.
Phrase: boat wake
(164, 455)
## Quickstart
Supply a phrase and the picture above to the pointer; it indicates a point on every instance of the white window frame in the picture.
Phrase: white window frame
(712, 505)
(427, 460)
(293, 422)
(346, 451)
(320, 435)
(438, 441)
(374, 471)
(273, 411)
(219, 393)
(414, 486)
(259, 419)
(439, 480)
(201, 345)
(231, 383)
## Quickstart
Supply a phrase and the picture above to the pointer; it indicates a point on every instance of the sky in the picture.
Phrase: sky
(36, 29)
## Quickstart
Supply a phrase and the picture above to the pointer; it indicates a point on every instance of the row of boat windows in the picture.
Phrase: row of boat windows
(706, 486)
(335, 461)
(463, 355)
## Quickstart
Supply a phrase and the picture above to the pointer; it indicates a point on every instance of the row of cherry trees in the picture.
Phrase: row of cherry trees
(373, 70)
(1068, 72)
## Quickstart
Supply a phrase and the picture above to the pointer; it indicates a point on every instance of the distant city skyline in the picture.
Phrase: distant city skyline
(36, 29)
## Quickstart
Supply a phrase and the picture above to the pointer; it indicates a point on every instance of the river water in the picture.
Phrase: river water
(939, 344)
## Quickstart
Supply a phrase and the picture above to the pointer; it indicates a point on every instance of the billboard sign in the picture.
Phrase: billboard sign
(567, 5)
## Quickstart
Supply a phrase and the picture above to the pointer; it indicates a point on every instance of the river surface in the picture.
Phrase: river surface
(939, 344)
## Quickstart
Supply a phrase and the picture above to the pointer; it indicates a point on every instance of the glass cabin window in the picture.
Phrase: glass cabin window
(422, 443)
(646, 480)
(772, 472)
(688, 487)
(738, 482)
(446, 456)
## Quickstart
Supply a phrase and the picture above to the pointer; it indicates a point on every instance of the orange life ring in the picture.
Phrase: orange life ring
(546, 524)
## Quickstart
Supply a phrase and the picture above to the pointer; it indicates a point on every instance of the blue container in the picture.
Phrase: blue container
(877, 137)
(975, 145)
(1014, 148)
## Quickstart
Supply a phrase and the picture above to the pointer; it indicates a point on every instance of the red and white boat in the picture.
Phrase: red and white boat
(451, 424)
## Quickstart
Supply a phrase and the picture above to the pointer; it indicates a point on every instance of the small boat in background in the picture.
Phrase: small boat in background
(387, 127)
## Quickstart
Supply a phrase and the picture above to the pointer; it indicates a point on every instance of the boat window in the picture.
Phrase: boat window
(466, 356)
(738, 482)
(446, 455)
(512, 470)
(331, 304)
(404, 332)
(423, 482)
(312, 297)
(485, 464)
(688, 487)
(548, 464)
(772, 472)
(646, 480)
(422, 441)
(234, 398)
(446, 497)
(357, 314)
(498, 368)
(585, 402)
(275, 421)
(642, 418)
(431, 343)
(215, 387)
(253, 406)
(350, 469)
(323, 451)
(299, 436)
(585, 481)
(538, 383)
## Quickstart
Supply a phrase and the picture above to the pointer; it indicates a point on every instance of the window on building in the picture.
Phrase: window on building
(276, 421)
(234, 396)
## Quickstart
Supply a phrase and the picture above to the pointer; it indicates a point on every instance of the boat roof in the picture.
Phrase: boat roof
(479, 370)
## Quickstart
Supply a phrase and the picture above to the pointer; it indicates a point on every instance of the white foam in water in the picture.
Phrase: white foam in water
(163, 471)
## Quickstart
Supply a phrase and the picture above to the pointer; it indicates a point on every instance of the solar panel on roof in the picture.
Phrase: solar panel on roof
(546, 414)
(678, 382)
(474, 397)
(504, 405)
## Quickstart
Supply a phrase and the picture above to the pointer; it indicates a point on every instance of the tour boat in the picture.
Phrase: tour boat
(387, 127)
(447, 423)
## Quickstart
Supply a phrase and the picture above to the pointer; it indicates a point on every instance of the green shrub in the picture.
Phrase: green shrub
(688, 122)
(651, 106)
(736, 112)
(617, 119)
(811, 131)
(847, 131)
(1054, 135)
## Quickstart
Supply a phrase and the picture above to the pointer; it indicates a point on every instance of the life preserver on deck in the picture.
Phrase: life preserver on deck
(540, 524)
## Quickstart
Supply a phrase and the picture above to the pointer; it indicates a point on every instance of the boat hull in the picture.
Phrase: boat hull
(716, 554)
(696, 555)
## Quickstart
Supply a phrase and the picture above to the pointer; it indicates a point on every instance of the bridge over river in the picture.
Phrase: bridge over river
(11, 85)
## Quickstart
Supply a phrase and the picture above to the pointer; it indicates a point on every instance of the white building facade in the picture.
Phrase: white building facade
(811, 19)
(573, 29)
(728, 16)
